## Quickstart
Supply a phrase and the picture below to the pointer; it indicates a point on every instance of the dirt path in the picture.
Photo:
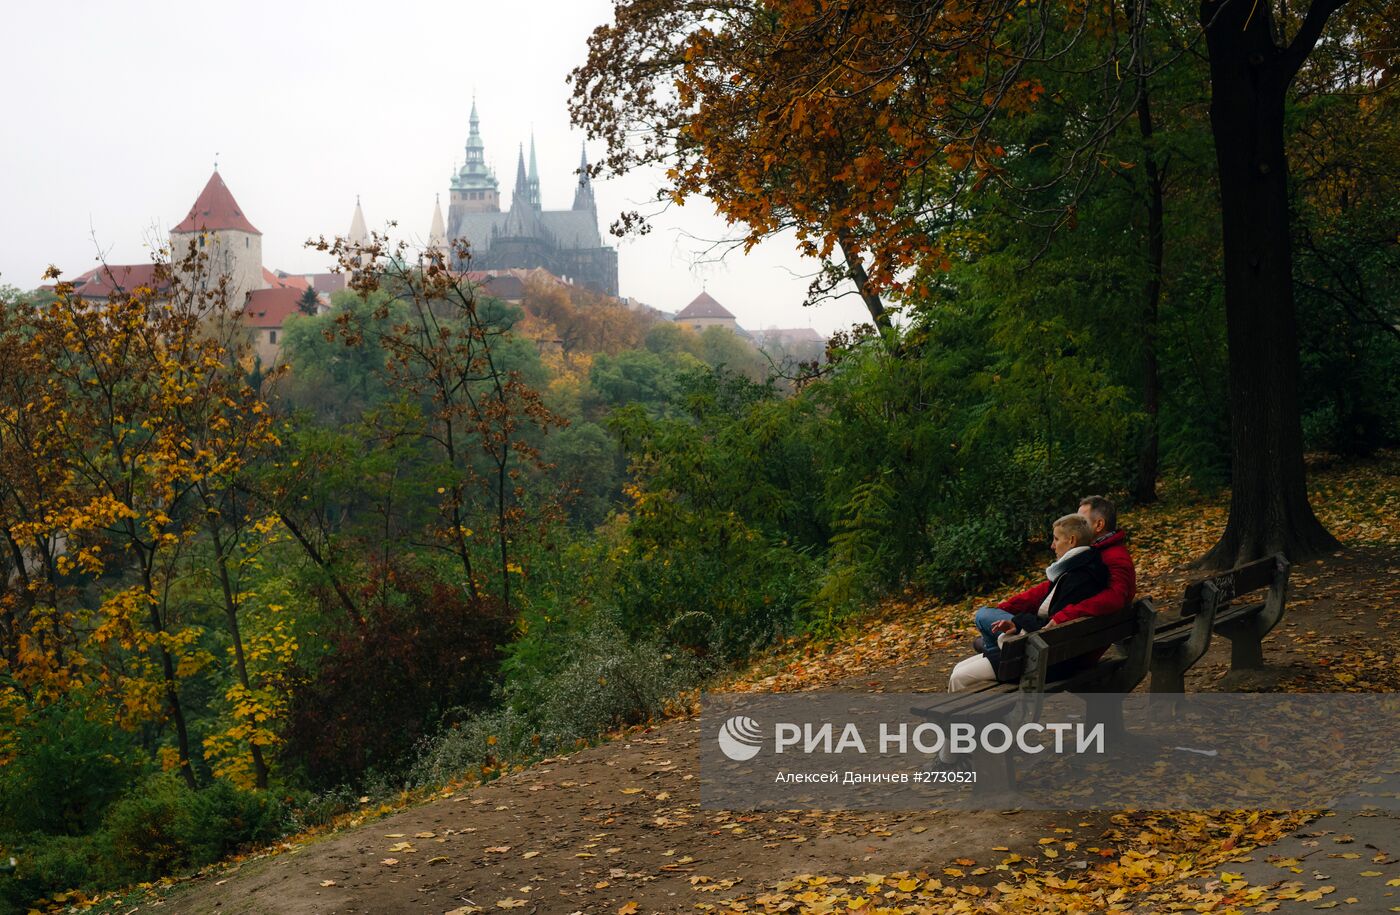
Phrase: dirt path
(621, 823)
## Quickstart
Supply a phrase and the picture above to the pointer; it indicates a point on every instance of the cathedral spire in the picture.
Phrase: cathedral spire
(358, 233)
(474, 175)
(437, 234)
(583, 194)
(534, 177)
(521, 195)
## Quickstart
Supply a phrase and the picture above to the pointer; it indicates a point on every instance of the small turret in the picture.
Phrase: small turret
(358, 234)
(533, 180)
(437, 235)
(583, 194)
(520, 197)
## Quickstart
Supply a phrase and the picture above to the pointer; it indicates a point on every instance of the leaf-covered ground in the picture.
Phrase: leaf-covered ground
(618, 827)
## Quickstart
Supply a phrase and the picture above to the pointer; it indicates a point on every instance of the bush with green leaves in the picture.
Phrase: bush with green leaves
(164, 826)
(603, 680)
(158, 827)
(74, 765)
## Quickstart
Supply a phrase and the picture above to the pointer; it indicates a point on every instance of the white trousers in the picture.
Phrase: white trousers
(971, 672)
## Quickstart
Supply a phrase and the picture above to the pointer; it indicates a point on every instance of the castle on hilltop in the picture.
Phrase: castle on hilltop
(566, 243)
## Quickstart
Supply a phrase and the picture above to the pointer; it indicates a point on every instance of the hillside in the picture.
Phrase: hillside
(618, 828)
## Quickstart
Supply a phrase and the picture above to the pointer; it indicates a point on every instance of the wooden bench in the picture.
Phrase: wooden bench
(1025, 678)
(1215, 604)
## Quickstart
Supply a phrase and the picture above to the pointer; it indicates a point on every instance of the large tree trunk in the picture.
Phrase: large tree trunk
(1250, 75)
(1145, 482)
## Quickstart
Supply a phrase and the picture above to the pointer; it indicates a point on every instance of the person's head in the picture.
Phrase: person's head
(1069, 532)
(1103, 517)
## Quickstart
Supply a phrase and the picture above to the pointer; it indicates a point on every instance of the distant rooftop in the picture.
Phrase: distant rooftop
(216, 209)
(704, 306)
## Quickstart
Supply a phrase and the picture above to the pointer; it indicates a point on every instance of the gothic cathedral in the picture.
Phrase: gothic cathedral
(567, 243)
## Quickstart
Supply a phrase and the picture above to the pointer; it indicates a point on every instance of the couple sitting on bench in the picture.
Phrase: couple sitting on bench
(1092, 575)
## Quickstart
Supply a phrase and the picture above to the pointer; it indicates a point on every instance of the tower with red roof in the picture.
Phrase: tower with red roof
(218, 228)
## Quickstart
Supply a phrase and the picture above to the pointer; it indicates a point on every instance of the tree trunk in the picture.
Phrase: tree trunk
(236, 635)
(1250, 75)
(321, 563)
(873, 303)
(172, 691)
(1145, 482)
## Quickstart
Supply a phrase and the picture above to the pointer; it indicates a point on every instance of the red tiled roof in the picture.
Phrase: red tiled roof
(507, 287)
(285, 280)
(109, 279)
(704, 306)
(271, 307)
(216, 209)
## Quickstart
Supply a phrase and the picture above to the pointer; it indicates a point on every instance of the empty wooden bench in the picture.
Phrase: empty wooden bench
(1025, 678)
(1220, 604)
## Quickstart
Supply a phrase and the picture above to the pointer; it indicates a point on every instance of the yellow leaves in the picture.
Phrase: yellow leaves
(169, 758)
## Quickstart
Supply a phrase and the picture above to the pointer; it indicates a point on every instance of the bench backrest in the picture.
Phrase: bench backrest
(1079, 637)
(1239, 581)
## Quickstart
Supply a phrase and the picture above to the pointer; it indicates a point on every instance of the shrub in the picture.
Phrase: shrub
(963, 555)
(610, 681)
(603, 681)
(54, 864)
(421, 649)
(163, 826)
(72, 764)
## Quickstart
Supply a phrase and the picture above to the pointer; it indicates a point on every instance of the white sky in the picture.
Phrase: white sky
(112, 114)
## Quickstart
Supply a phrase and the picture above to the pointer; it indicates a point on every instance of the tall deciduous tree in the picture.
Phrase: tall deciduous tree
(1251, 71)
(450, 353)
(865, 124)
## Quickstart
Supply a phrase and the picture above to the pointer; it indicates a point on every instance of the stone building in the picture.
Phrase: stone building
(566, 243)
(217, 227)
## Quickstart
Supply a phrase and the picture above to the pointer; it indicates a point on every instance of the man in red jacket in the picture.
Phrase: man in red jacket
(1122, 580)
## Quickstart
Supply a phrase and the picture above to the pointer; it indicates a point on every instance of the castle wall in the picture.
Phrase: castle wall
(474, 200)
(228, 251)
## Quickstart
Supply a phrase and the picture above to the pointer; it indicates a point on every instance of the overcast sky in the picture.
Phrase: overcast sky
(113, 114)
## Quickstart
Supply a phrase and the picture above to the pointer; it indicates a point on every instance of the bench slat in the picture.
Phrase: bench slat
(1066, 642)
(1238, 581)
